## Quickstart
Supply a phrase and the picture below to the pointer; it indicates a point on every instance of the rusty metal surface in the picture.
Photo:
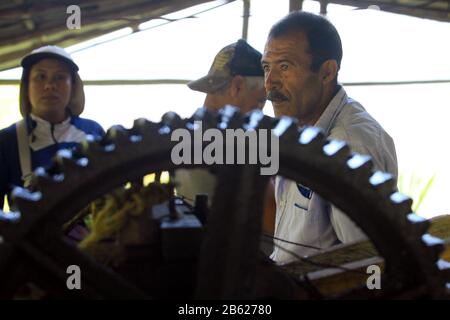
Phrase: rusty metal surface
(229, 265)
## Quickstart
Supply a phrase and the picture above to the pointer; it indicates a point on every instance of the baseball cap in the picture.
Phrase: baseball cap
(48, 52)
(238, 58)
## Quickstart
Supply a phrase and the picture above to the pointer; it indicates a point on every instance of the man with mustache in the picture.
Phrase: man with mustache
(301, 60)
(51, 100)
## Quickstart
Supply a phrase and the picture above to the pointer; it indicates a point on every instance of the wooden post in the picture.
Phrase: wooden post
(246, 17)
(323, 7)
(295, 5)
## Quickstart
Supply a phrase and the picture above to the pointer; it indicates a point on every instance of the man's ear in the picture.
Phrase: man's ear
(237, 85)
(328, 71)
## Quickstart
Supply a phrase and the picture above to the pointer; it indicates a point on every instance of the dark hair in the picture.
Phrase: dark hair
(323, 38)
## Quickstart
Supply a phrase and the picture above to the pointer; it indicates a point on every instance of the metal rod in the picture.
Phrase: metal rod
(323, 7)
(245, 17)
(295, 5)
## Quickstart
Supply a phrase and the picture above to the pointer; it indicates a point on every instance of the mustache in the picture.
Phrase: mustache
(276, 95)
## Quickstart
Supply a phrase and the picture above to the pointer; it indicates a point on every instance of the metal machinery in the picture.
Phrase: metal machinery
(182, 257)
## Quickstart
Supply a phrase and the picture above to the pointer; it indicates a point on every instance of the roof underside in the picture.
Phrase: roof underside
(28, 24)
(429, 9)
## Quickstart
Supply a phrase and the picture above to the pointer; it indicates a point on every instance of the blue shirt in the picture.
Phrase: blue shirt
(45, 139)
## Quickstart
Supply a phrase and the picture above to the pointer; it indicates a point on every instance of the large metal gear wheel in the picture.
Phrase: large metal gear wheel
(229, 266)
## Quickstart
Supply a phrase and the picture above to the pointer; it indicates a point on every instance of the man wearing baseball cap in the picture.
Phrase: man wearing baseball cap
(235, 78)
(51, 100)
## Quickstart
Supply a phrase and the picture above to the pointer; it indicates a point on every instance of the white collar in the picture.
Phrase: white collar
(334, 107)
(46, 124)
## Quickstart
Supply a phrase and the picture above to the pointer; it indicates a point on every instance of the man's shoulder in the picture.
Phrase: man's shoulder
(354, 122)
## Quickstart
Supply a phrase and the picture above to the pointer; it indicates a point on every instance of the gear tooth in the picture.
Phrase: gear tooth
(202, 116)
(87, 147)
(382, 181)
(402, 202)
(311, 135)
(229, 111)
(93, 149)
(338, 149)
(42, 177)
(172, 120)
(148, 133)
(62, 155)
(230, 118)
(286, 128)
(117, 133)
(83, 148)
(79, 156)
(139, 124)
(23, 195)
(9, 217)
(208, 119)
(9, 223)
(360, 165)
(435, 245)
(66, 158)
(256, 119)
(444, 267)
(418, 223)
(107, 144)
(199, 114)
(117, 136)
(253, 119)
(46, 181)
(68, 164)
(144, 128)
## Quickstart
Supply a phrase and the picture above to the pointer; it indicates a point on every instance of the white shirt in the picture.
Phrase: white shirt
(302, 216)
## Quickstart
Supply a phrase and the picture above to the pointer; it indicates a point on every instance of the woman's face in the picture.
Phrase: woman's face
(50, 89)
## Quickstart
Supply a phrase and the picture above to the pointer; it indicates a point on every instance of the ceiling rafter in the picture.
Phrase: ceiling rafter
(27, 24)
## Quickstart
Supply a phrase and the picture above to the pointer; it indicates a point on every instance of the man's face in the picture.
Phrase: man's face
(251, 98)
(49, 87)
(292, 87)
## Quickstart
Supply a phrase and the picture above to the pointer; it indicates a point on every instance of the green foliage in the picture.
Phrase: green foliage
(416, 186)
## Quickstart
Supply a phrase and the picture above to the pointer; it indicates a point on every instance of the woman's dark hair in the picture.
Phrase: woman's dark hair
(323, 38)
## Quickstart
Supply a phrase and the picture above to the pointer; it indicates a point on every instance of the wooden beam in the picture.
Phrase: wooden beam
(89, 19)
(11, 59)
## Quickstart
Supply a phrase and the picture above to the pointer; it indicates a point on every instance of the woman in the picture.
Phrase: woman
(51, 100)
